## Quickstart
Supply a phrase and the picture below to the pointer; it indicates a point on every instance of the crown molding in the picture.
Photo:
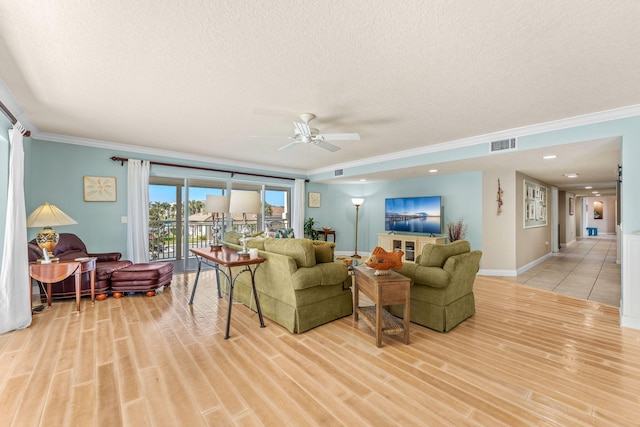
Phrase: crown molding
(586, 119)
(94, 143)
(10, 102)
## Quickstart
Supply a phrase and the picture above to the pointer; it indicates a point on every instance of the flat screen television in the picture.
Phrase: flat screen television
(413, 214)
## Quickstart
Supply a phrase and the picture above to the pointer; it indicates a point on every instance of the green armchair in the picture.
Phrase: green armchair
(442, 285)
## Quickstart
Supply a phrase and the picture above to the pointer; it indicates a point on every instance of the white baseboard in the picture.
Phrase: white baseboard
(630, 322)
(500, 273)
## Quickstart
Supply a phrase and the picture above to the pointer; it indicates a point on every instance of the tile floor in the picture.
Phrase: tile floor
(586, 269)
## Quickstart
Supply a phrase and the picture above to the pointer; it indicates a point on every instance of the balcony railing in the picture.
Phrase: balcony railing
(165, 242)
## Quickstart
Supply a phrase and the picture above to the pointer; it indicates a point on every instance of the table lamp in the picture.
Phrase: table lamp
(244, 202)
(216, 205)
(47, 216)
(357, 201)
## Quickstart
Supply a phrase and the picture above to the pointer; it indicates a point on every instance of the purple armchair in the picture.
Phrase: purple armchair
(70, 247)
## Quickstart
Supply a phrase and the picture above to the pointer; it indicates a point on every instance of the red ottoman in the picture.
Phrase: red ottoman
(141, 278)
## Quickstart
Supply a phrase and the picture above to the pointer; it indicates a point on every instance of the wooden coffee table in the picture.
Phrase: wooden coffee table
(390, 289)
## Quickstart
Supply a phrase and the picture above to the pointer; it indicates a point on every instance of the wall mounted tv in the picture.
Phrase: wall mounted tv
(413, 214)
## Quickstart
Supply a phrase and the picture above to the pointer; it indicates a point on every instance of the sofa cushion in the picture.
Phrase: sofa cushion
(324, 251)
(435, 255)
(232, 237)
(321, 275)
(256, 242)
(301, 250)
(70, 243)
(105, 269)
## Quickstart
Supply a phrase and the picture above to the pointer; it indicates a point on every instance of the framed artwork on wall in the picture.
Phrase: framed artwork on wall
(314, 200)
(535, 205)
(99, 189)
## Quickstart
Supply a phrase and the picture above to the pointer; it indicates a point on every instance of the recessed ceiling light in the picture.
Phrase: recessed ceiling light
(363, 180)
(550, 156)
(595, 192)
(433, 170)
(588, 187)
(571, 175)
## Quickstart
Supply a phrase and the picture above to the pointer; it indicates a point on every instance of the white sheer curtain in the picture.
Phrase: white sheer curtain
(138, 211)
(297, 218)
(15, 285)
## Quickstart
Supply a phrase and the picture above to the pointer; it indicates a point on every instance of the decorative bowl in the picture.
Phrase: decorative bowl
(327, 228)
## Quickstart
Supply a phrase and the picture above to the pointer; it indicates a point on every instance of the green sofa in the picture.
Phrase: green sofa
(299, 286)
(442, 285)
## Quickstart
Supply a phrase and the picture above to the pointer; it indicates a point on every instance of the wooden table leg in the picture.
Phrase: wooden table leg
(49, 294)
(407, 319)
(378, 324)
(78, 277)
(92, 275)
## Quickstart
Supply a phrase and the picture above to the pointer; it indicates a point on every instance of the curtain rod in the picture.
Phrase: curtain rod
(12, 118)
(124, 159)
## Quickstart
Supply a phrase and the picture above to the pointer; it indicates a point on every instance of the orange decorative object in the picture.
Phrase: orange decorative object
(101, 297)
(117, 294)
(151, 293)
(383, 261)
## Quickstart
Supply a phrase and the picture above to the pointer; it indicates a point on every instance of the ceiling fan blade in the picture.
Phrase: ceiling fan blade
(289, 145)
(302, 128)
(341, 136)
(324, 144)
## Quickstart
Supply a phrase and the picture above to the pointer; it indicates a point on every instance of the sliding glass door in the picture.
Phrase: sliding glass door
(178, 221)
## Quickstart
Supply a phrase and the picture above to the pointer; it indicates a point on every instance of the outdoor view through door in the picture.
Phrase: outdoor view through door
(169, 218)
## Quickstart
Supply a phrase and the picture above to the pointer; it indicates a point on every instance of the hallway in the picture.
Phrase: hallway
(587, 270)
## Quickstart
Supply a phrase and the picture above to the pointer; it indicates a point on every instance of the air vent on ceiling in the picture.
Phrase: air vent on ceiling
(338, 172)
(503, 144)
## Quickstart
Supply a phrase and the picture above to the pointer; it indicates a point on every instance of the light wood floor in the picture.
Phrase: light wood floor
(528, 357)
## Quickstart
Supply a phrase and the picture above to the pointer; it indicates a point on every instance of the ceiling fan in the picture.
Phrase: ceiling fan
(305, 134)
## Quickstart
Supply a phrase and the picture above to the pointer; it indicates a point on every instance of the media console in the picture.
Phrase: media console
(411, 245)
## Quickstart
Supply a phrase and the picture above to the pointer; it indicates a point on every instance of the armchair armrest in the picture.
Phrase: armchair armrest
(434, 277)
(107, 256)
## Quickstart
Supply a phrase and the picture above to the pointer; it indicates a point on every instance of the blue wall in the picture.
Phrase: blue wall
(54, 173)
(57, 172)
(461, 198)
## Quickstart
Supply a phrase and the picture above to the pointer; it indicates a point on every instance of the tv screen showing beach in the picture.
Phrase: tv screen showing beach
(413, 214)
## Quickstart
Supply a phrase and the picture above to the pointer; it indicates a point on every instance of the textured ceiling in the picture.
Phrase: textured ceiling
(226, 79)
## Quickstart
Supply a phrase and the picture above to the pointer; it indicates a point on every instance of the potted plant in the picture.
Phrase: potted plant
(457, 230)
(309, 231)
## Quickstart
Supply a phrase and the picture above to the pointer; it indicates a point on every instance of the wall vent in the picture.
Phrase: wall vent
(503, 144)
(338, 172)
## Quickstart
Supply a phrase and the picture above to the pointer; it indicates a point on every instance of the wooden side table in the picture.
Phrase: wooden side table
(390, 289)
(58, 271)
(327, 233)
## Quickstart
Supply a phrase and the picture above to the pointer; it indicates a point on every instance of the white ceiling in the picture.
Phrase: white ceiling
(224, 80)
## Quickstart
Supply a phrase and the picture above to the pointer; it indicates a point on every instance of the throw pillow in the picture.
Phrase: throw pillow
(232, 237)
(435, 255)
(324, 251)
(284, 233)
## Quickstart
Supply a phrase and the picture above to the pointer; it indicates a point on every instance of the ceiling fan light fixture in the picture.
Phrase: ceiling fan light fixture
(305, 134)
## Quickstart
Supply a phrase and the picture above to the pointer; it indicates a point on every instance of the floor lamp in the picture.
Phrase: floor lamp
(357, 201)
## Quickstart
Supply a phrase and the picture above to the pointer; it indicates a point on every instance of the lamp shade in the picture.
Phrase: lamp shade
(48, 216)
(244, 201)
(357, 201)
(216, 204)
